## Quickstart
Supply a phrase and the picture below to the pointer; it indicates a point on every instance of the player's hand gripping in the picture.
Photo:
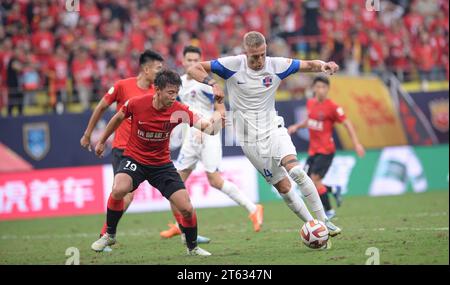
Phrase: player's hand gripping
(218, 93)
(85, 142)
(330, 67)
(100, 149)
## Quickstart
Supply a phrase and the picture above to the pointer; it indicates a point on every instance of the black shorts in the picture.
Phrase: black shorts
(117, 158)
(318, 164)
(165, 178)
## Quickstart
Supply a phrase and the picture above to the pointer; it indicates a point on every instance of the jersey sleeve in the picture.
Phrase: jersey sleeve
(338, 114)
(208, 92)
(127, 108)
(113, 93)
(186, 116)
(226, 67)
(285, 66)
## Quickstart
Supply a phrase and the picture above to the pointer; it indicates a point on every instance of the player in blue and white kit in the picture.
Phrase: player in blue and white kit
(251, 81)
(206, 148)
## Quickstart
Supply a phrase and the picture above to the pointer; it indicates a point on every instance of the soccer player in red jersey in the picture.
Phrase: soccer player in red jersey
(323, 113)
(147, 156)
(150, 64)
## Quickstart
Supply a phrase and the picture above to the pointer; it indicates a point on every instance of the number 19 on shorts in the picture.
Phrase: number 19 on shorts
(131, 166)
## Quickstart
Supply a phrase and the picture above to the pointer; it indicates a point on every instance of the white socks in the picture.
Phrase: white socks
(237, 196)
(309, 191)
(296, 204)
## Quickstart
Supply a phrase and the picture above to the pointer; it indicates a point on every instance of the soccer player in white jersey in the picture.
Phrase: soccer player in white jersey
(251, 81)
(206, 148)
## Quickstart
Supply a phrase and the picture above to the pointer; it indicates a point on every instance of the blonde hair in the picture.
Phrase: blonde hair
(254, 39)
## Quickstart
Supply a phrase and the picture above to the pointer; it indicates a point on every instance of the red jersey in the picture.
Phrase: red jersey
(151, 128)
(321, 118)
(121, 92)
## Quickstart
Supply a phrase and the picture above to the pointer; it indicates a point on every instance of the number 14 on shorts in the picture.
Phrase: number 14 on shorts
(267, 173)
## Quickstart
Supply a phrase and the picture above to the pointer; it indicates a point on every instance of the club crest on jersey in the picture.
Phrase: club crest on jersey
(36, 140)
(267, 81)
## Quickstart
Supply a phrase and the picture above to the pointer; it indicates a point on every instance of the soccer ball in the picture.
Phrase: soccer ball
(314, 234)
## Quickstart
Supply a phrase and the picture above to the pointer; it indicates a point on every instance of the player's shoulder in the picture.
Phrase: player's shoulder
(126, 81)
(332, 103)
(283, 66)
(232, 62)
(140, 100)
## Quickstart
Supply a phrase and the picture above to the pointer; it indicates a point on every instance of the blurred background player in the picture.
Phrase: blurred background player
(207, 149)
(150, 63)
(252, 80)
(323, 113)
(147, 156)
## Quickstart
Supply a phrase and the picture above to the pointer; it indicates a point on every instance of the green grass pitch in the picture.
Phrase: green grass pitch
(408, 229)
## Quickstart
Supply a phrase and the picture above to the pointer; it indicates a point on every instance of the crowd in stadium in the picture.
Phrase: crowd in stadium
(76, 56)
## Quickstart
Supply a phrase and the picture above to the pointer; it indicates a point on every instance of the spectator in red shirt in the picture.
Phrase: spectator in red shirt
(43, 42)
(59, 73)
(83, 70)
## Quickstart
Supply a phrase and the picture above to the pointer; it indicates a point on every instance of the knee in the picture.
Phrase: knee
(215, 182)
(118, 192)
(316, 178)
(298, 174)
(284, 186)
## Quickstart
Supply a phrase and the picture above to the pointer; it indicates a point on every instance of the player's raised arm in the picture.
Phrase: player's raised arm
(319, 66)
(112, 126)
(200, 72)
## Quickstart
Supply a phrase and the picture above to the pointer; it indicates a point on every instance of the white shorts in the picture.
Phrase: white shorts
(266, 155)
(208, 150)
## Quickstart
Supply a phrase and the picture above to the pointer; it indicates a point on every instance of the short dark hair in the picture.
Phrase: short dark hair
(167, 77)
(149, 55)
(193, 49)
(322, 79)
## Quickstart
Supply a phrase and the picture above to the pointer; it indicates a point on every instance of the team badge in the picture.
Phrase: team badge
(36, 140)
(267, 81)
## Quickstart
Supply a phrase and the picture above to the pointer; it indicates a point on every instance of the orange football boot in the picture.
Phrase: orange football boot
(171, 232)
(257, 218)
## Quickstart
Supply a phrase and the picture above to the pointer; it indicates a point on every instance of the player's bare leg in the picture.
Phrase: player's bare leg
(174, 229)
(256, 212)
(309, 191)
(187, 221)
(123, 184)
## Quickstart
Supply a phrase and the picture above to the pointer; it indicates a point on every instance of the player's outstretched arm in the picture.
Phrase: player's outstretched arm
(112, 126)
(293, 128)
(212, 126)
(360, 151)
(99, 110)
(200, 72)
(319, 66)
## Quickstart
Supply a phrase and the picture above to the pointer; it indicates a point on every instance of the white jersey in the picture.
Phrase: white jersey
(252, 93)
(198, 96)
